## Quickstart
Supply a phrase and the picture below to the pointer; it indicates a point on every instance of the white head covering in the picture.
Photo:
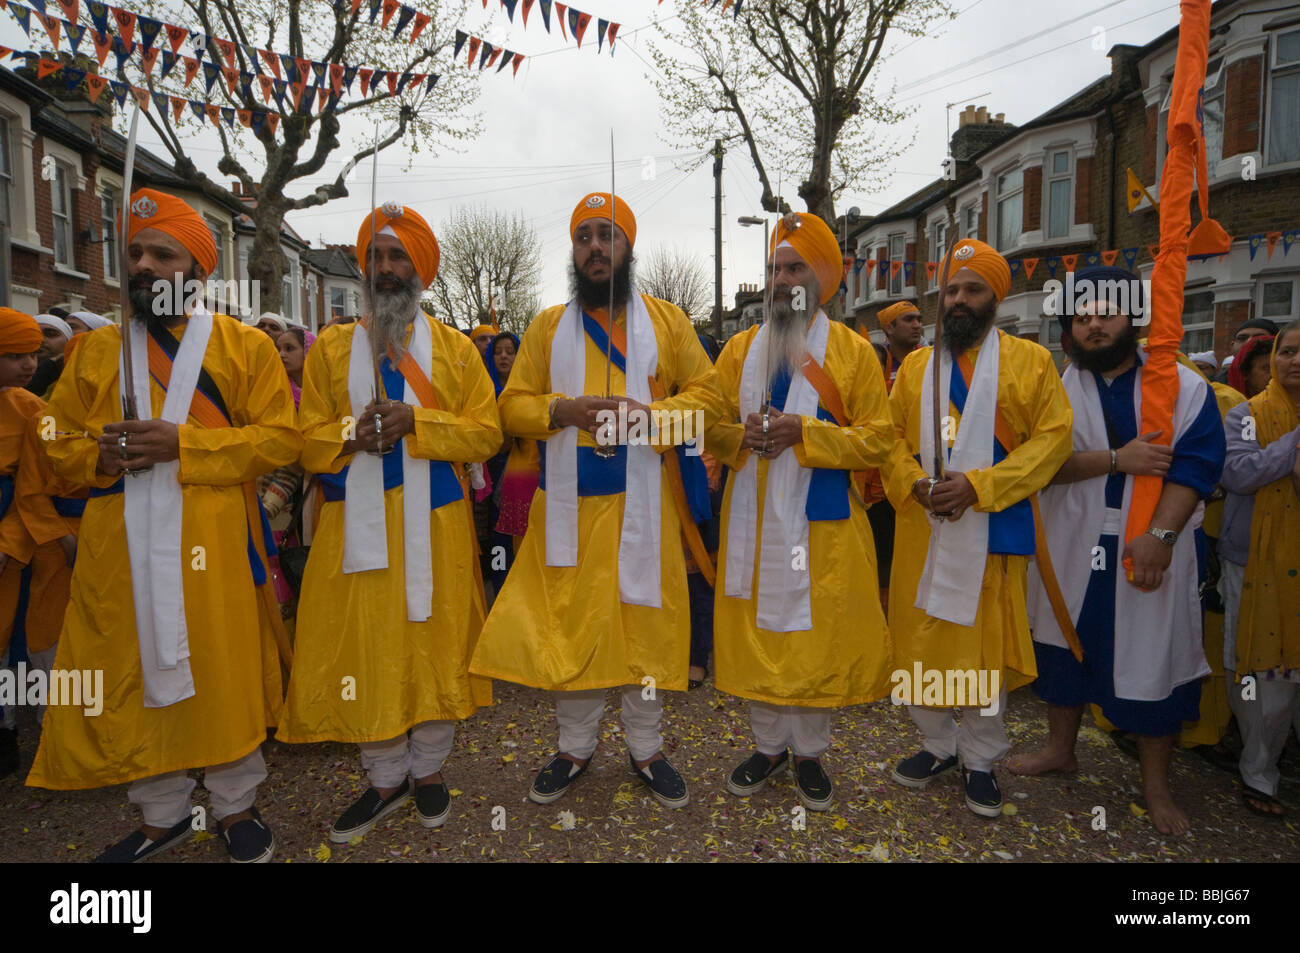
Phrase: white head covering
(91, 320)
(53, 321)
(277, 318)
(1204, 357)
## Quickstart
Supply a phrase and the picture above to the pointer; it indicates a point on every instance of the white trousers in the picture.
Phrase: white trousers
(1231, 576)
(1264, 721)
(806, 731)
(164, 799)
(419, 753)
(578, 714)
(979, 739)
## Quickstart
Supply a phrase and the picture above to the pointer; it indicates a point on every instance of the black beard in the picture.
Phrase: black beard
(595, 294)
(962, 327)
(154, 310)
(1105, 359)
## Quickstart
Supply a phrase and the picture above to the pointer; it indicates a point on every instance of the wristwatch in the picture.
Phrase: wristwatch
(1166, 536)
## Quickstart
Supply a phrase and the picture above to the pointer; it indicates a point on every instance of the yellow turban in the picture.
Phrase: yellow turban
(483, 330)
(411, 230)
(895, 311)
(981, 258)
(596, 205)
(153, 209)
(814, 242)
(19, 333)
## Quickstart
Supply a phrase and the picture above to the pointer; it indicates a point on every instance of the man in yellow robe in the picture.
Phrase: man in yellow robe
(597, 597)
(164, 600)
(795, 631)
(391, 601)
(957, 597)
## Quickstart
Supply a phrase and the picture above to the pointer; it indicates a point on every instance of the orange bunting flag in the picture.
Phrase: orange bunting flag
(52, 27)
(559, 12)
(232, 79)
(1108, 257)
(930, 268)
(365, 75)
(274, 120)
(895, 267)
(267, 85)
(421, 21)
(70, 10)
(148, 58)
(474, 43)
(176, 35)
(322, 95)
(245, 117)
(581, 27)
(1030, 264)
(1272, 239)
(1070, 261)
(141, 97)
(297, 89)
(96, 84)
(103, 43)
(125, 21)
(227, 48)
(519, 58)
(273, 61)
(214, 113)
(45, 67)
(191, 69)
(336, 78)
(390, 7)
(178, 107)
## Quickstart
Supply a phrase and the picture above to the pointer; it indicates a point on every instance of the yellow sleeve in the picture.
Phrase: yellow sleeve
(694, 380)
(723, 439)
(525, 402)
(31, 488)
(1046, 441)
(865, 442)
(900, 470)
(85, 397)
(320, 415)
(263, 435)
(472, 432)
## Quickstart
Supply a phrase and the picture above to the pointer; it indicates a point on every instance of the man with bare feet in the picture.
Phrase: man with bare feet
(1140, 631)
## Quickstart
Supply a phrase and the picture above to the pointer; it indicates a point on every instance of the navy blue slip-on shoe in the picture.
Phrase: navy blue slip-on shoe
(136, 847)
(665, 784)
(922, 768)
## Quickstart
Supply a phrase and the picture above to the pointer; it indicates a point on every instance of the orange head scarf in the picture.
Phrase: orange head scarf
(411, 230)
(483, 330)
(895, 311)
(596, 205)
(153, 209)
(981, 258)
(814, 242)
(19, 333)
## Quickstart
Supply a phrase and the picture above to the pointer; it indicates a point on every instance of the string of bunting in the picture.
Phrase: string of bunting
(576, 21)
(327, 81)
(725, 4)
(1053, 263)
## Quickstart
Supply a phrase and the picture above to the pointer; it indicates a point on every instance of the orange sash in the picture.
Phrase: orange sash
(1042, 556)
(830, 397)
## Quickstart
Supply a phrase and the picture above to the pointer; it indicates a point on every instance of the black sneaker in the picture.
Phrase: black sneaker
(922, 768)
(755, 772)
(8, 751)
(554, 779)
(136, 847)
(369, 809)
(812, 784)
(982, 793)
(432, 804)
(666, 785)
(249, 841)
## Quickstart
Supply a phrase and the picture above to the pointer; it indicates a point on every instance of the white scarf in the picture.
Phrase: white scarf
(365, 531)
(1157, 634)
(954, 563)
(638, 548)
(784, 603)
(154, 511)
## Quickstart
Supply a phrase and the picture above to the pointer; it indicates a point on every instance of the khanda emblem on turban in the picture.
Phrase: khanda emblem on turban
(144, 207)
(595, 201)
(966, 251)
(791, 221)
(391, 209)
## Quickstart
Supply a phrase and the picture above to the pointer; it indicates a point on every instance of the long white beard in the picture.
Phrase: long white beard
(787, 338)
(391, 315)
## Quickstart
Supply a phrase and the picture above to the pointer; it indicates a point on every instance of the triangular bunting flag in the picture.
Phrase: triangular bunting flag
(365, 81)
(213, 113)
(1053, 263)
(178, 107)
(169, 61)
(528, 5)
(191, 68)
(272, 61)
(122, 50)
(52, 28)
(406, 16)
(895, 267)
(274, 120)
(322, 95)
(290, 71)
(375, 7)
(96, 85)
(1015, 266)
(159, 101)
(510, 8)
(1254, 242)
(1130, 256)
(1271, 238)
(613, 29)
(560, 14)
(601, 27)
(421, 21)
(474, 44)
(349, 74)
(518, 58)
(909, 268)
(141, 97)
(578, 24)
(23, 16)
(266, 84)
(490, 54)
(70, 9)
(45, 67)
(1092, 259)
(259, 122)
(227, 49)
(318, 72)
(278, 89)
(210, 73)
(103, 43)
(125, 22)
(505, 60)
(196, 107)
(1288, 239)
(461, 37)
(98, 15)
(149, 30)
(390, 7)
(176, 35)
(302, 69)
(871, 265)
(297, 89)
(1108, 257)
(336, 78)
(148, 59)
(246, 85)
(930, 268)
(402, 81)
(75, 34)
(391, 77)
(228, 114)
(1070, 261)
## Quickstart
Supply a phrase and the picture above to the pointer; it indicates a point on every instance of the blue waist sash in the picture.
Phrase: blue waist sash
(828, 490)
(70, 506)
(6, 493)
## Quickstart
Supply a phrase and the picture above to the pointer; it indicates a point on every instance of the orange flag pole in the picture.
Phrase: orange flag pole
(1185, 169)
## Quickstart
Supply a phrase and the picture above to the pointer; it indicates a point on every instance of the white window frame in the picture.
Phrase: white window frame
(1293, 279)
(1274, 68)
(311, 301)
(1051, 176)
(7, 171)
(342, 306)
(108, 231)
(22, 208)
(218, 230)
(1162, 123)
(61, 182)
(996, 205)
(1202, 325)
(971, 211)
(890, 289)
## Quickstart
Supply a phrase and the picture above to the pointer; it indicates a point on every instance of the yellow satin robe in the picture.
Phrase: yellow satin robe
(1033, 400)
(565, 628)
(845, 658)
(232, 653)
(353, 626)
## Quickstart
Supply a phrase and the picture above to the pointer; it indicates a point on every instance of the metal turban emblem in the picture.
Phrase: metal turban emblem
(791, 221)
(966, 251)
(144, 207)
(391, 209)
(595, 201)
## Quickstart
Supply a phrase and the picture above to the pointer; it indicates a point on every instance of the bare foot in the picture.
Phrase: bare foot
(1042, 761)
(697, 673)
(1167, 816)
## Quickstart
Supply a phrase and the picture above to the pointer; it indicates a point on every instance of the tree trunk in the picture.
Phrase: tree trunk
(266, 259)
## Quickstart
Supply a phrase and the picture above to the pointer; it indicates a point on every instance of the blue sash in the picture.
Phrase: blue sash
(828, 490)
(69, 506)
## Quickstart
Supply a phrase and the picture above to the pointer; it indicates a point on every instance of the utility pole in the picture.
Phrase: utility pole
(717, 239)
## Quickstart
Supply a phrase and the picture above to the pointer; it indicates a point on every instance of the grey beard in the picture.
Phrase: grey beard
(391, 314)
(787, 338)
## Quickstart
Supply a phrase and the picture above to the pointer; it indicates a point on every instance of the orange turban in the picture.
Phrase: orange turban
(153, 209)
(411, 230)
(981, 258)
(895, 311)
(814, 242)
(19, 333)
(596, 205)
(481, 331)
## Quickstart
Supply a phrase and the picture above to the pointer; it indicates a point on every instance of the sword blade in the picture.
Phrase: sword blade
(609, 338)
(941, 307)
(127, 386)
(370, 251)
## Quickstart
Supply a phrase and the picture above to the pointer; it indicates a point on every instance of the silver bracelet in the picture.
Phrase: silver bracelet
(1114, 462)
(550, 414)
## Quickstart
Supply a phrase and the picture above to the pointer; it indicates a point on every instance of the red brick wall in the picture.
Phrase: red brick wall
(1241, 106)
(1228, 316)
(909, 254)
(983, 231)
(1082, 190)
(882, 267)
(1033, 202)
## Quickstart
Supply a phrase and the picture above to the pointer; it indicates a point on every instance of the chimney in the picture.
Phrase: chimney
(976, 131)
(983, 115)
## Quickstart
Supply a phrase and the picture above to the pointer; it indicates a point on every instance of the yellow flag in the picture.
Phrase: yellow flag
(1135, 192)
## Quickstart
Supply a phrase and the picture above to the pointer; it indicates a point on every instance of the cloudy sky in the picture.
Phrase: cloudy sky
(545, 140)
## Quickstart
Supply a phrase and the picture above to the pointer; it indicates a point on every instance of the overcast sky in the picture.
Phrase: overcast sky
(545, 140)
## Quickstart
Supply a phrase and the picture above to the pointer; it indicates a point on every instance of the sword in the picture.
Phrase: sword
(370, 271)
(603, 449)
(127, 386)
(766, 408)
(936, 355)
